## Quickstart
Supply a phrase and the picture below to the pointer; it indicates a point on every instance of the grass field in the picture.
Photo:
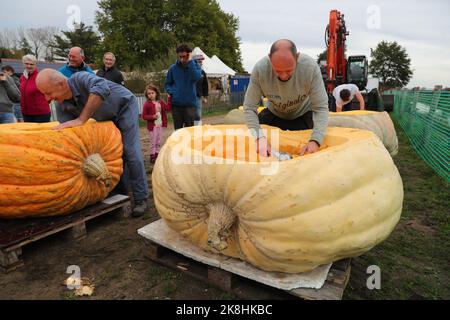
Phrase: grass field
(414, 260)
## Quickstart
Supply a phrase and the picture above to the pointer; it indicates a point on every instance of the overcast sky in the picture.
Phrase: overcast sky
(422, 27)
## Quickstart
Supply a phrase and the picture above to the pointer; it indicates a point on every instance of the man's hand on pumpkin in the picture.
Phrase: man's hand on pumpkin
(69, 124)
(311, 147)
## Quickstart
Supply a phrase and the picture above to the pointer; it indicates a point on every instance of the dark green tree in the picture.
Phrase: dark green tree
(25, 47)
(141, 32)
(136, 31)
(82, 36)
(7, 53)
(391, 64)
(202, 23)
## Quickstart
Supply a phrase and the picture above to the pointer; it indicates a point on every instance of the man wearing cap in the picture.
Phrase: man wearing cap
(202, 91)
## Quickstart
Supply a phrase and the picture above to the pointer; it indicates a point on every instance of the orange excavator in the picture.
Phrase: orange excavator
(339, 69)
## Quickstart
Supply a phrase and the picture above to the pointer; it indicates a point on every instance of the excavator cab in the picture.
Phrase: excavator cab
(357, 71)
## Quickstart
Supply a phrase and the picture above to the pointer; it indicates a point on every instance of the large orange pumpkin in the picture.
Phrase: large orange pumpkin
(45, 172)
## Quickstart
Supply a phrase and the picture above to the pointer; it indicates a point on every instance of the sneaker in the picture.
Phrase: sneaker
(139, 208)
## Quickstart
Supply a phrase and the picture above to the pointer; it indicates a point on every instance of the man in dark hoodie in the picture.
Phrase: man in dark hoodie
(181, 86)
(9, 94)
(109, 70)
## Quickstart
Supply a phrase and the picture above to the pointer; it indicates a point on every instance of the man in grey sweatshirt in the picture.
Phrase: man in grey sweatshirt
(293, 85)
(9, 94)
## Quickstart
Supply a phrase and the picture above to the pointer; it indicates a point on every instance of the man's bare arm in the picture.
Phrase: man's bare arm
(360, 98)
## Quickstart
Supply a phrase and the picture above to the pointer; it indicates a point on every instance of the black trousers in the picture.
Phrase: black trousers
(40, 118)
(183, 116)
(303, 122)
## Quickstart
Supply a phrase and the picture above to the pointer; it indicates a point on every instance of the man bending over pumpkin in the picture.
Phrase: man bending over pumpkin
(293, 85)
(85, 96)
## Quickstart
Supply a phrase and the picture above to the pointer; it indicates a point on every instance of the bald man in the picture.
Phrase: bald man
(293, 85)
(76, 63)
(85, 96)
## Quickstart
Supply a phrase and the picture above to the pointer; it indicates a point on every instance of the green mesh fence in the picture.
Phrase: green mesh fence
(425, 118)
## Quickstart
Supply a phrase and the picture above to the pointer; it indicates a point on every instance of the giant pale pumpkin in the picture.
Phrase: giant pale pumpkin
(45, 172)
(289, 216)
(378, 122)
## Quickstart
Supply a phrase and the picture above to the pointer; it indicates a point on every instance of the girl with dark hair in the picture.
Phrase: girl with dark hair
(154, 112)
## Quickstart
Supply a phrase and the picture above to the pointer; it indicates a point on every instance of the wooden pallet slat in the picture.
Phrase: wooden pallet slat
(11, 260)
(211, 272)
(220, 278)
(77, 232)
(15, 234)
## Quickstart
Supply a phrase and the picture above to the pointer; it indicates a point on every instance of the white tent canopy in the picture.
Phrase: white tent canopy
(220, 63)
(214, 67)
(198, 51)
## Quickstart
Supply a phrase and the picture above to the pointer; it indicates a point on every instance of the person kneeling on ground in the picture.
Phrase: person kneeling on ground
(344, 95)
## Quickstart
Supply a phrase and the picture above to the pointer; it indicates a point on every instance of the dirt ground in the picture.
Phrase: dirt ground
(111, 257)
(413, 260)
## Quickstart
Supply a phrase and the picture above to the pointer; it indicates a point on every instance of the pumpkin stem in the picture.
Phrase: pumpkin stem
(221, 218)
(95, 167)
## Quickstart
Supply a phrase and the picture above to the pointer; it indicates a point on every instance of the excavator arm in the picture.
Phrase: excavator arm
(339, 69)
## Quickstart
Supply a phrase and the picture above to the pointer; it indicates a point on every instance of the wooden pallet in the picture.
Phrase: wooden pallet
(14, 234)
(208, 267)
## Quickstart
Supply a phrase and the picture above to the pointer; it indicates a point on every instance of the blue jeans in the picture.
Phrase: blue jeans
(7, 117)
(17, 112)
(198, 109)
(134, 176)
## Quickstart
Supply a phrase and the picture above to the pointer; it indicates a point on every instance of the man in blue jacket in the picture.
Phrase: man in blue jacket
(181, 86)
(76, 63)
(85, 96)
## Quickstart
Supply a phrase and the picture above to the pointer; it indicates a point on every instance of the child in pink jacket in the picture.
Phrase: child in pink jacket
(154, 111)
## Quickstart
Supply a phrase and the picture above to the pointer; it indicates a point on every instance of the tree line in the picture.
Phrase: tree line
(142, 34)
(19, 42)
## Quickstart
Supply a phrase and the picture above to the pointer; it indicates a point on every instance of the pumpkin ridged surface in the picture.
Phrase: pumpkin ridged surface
(378, 122)
(42, 169)
(339, 202)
